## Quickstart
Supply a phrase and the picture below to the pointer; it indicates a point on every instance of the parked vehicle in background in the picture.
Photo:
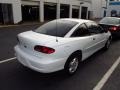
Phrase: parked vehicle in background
(61, 44)
(112, 24)
(114, 13)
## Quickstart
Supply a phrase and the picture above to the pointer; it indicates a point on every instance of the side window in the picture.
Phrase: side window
(93, 28)
(100, 29)
(80, 31)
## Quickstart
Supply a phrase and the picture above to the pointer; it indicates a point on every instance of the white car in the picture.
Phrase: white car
(60, 44)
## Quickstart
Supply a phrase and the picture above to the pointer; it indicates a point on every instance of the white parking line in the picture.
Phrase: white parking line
(107, 75)
(3, 61)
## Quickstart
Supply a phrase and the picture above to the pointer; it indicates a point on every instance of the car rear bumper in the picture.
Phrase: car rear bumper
(39, 64)
(115, 33)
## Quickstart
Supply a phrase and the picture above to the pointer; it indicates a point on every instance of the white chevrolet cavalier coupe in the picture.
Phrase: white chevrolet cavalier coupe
(60, 44)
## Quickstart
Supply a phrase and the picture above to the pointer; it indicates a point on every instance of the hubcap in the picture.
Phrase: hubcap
(73, 65)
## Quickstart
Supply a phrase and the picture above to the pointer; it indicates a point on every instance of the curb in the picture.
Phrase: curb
(3, 26)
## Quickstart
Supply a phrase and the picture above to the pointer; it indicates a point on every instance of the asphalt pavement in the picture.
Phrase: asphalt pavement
(14, 76)
(8, 39)
(113, 82)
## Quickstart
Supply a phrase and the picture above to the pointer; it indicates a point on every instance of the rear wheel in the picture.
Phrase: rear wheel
(72, 64)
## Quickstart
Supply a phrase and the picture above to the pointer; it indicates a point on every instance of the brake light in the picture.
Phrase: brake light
(44, 49)
(114, 28)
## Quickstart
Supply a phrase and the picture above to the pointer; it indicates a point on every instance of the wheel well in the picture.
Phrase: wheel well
(79, 52)
(110, 37)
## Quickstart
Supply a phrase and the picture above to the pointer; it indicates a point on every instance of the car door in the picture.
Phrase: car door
(98, 35)
(84, 41)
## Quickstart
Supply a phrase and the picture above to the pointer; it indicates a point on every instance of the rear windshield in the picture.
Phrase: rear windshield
(110, 21)
(56, 28)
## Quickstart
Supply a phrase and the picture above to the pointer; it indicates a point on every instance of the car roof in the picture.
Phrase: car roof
(76, 20)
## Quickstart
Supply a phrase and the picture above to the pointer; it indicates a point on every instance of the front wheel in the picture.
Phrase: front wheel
(107, 45)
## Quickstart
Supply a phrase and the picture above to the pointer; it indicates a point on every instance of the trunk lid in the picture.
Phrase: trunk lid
(30, 39)
(108, 27)
(105, 26)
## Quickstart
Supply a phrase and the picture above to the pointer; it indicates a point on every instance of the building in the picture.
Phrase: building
(102, 8)
(113, 8)
(15, 11)
(10, 11)
(99, 8)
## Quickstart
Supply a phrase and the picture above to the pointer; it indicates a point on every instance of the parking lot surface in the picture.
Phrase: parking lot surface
(113, 82)
(14, 76)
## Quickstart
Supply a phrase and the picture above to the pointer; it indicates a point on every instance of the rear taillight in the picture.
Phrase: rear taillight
(114, 28)
(44, 49)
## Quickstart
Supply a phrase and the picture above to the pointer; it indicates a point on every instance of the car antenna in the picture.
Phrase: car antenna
(56, 31)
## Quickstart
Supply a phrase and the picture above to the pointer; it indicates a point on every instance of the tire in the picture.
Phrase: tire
(107, 45)
(72, 64)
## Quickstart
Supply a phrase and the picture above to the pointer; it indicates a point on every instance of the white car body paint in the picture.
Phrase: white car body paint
(65, 46)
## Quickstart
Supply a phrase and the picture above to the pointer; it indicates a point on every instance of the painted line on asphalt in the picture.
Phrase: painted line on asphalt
(102, 82)
(7, 60)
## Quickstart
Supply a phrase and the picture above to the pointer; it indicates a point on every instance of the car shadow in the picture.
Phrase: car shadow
(114, 39)
(35, 80)
(23, 77)
(61, 74)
